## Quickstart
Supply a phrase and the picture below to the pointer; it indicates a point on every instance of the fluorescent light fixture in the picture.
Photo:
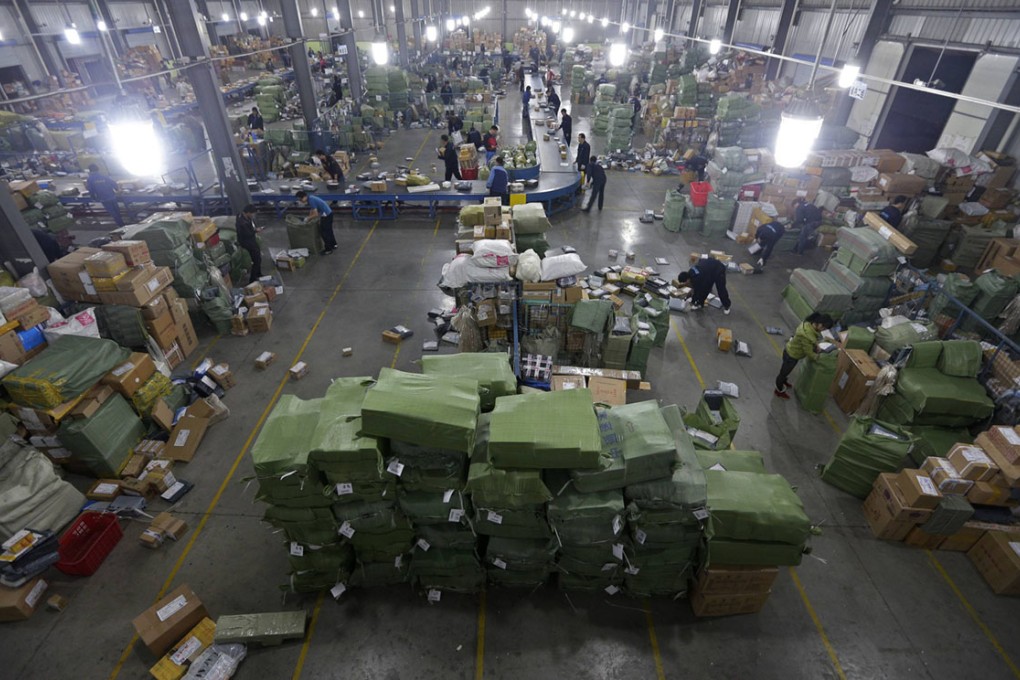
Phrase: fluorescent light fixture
(264, 14)
(617, 54)
(361, 13)
(714, 46)
(261, 20)
(591, 18)
(625, 27)
(393, 8)
(137, 147)
(315, 11)
(72, 36)
(581, 16)
(527, 12)
(244, 16)
(573, 13)
(564, 11)
(450, 24)
(225, 16)
(467, 21)
(848, 76)
(336, 14)
(799, 127)
(605, 22)
(544, 21)
(101, 25)
(156, 29)
(380, 53)
(568, 34)
(659, 34)
(431, 34)
(556, 26)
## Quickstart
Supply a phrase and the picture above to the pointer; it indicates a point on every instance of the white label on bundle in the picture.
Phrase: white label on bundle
(494, 517)
(640, 536)
(701, 514)
(609, 566)
(618, 551)
(296, 549)
(447, 495)
(435, 595)
(184, 652)
(719, 467)
(499, 563)
(337, 590)
(105, 489)
(123, 368)
(456, 514)
(423, 544)
(617, 524)
(973, 455)
(347, 530)
(927, 486)
(344, 489)
(395, 468)
(398, 561)
(631, 571)
(843, 380)
(885, 232)
(33, 596)
(1015, 545)
(612, 590)
(171, 608)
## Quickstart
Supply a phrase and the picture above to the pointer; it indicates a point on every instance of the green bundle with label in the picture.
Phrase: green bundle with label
(713, 423)
(811, 385)
(492, 371)
(867, 448)
(519, 562)
(104, 441)
(589, 529)
(673, 214)
(719, 215)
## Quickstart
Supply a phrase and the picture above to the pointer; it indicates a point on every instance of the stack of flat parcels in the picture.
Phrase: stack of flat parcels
(548, 430)
(822, 291)
(493, 372)
(519, 562)
(867, 449)
(865, 252)
(588, 529)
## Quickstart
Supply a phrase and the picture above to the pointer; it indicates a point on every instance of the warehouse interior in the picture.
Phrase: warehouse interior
(327, 352)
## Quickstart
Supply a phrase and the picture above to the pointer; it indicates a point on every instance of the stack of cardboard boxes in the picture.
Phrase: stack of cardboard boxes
(254, 315)
(932, 507)
(729, 590)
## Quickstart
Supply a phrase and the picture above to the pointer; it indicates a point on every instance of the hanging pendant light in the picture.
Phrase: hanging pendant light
(799, 127)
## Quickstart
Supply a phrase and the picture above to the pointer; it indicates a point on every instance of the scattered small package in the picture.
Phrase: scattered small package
(263, 360)
(661, 261)
(299, 370)
(347, 351)
(396, 334)
(724, 339)
(773, 330)
(729, 389)
(57, 603)
(221, 374)
(741, 349)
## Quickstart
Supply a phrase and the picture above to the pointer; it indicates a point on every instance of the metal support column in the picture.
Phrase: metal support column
(667, 17)
(732, 14)
(348, 40)
(782, 34)
(50, 64)
(696, 8)
(503, 39)
(210, 24)
(416, 26)
(195, 48)
(878, 19)
(18, 241)
(650, 10)
(398, 5)
(103, 10)
(299, 59)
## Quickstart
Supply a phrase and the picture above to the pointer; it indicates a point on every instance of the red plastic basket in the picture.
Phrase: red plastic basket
(469, 173)
(699, 193)
(85, 545)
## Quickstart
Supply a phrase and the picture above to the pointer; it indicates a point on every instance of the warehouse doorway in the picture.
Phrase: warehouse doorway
(916, 119)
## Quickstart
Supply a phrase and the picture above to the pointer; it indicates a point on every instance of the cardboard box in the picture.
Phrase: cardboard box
(167, 621)
(1003, 169)
(1007, 441)
(964, 539)
(486, 313)
(162, 329)
(989, 493)
(27, 188)
(632, 378)
(155, 308)
(151, 538)
(135, 465)
(202, 229)
(263, 360)
(105, 264)
(898, 183)
(185, 438)
(187, 339)
(997, 558)
(104, 490)
(11, 349)
(724, 339)
(568, 382)
(890, 233)
(724, 604)
(133, 252)
(918, 538)
(152, 448)
(887, 512)
(609, 391)
(298, 370)
(31, 317)
(260, 319)
(918, 489)
(736, 579)
(144, 289)
(130, 375)
(17, 604)
(126, 281)
(178, 660)
(855, 374)
(221, 374)
(945, 476)
(1009, 471)
(971, 462)
(173, 527)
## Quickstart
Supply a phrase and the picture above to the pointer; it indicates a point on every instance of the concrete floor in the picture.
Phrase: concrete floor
(856, 608)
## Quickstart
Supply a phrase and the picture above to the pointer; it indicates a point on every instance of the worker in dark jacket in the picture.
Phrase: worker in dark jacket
(246, 231)
(583, 153)
(526, 101)
(448, 154)
(491, 143)
(499, 181)
(446, 93)
(702, 276)
(768, 236)
(554, 99)
(597, 179)
(255, 121)
(474, 137)
(697, 164)
(330, 166)
(807, 217)
(454, 123)
(803, 345)
(893, 213)
(102, 188)
(566, 124)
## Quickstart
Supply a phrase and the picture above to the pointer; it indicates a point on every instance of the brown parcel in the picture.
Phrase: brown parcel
(17, 604)
(918, 489)
(855, 373)
(185, 438)
(887, 512)
(166, 622)
(608, 391)
(131, 374)
(997, 558)
(1010, 471)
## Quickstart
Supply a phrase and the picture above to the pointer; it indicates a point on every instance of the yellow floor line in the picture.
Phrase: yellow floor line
(969, 608)
(690, 357)
(660, 673)
(396, 353)
(818, 624)
(308, 637)
(204, 354)
(480, 653)
(244, 450)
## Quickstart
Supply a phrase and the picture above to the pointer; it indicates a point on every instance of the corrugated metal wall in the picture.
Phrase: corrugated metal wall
(756, 26)
(1001, 31)
(987, 81)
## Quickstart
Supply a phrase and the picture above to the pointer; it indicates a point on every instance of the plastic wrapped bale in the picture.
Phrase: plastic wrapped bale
(719, 215)
(472, 216)
(31, 493)
(435, 507)
(942, 399)
(519, 562)
(457, 571)
(865, 252)
(995, 291)
(658, 573)
(868, 448)
(904, 334)
(280, 455)
(428, 410)
(320, 567)
(960, 358)
(936, 441)
(379, 574)
(122, 324)
(492, 487)
(545, 430)
(730, 460)
(673, 214)
(822, 291)
(713, 423)
(308, 526)
(103, 442)
(754, 519)
(641, 346)
(530, 218)
(859, 337)
(493, 372)
(925, 354)
(959, 286)
(586, 518)
(637, 446)
(454, 536)
(425, 468)
(857, 285)
(64, 370)
(304, 234)
(536, 242)
(813, 381)
(656, 313)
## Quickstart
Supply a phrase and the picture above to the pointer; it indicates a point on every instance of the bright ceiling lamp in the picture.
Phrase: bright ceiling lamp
(380, 53)
(659, 34)
(361, 14)
(261, 20)
(568, 34)
(799, 127)
(225, 16)
(101, 25)
(556, 26)
(466, 21)
(315, 11)
(72, 36)
(393, 9)
(625, 27)
(564, 11)
(581, 16)
(431, 34)
(617, 54)
(544, 21)
(573, 13)
(336, 14)
(451, 24)
(244, 16)
(527, 12)
(137, 147)
(605, 22)
(848, 76)
(591, 18)
(714, 46)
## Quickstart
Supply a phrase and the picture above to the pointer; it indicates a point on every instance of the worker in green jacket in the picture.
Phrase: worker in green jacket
(803, 344)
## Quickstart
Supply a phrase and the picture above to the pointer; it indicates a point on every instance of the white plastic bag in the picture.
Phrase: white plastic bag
(83, 323)
(863, 173)
(461, 271)
(34, 283)
(529, 267)
(560, 266)
(493, 253)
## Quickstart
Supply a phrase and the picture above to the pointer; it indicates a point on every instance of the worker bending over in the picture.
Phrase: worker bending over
(703, 276)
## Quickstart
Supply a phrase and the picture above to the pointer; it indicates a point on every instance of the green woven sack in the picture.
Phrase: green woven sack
(591, 315)
(859, 337)
(813, 382)
(449, 536)
(585, 518)
(283, 444)
(68, 367)
(925, 354)
(527, 522)
(521, 553)
(936, 441)
(472, 216)
(904, 334)
(867, 449)
(379, 574)
(104, 441)
(746, 506)
(732, 461)
(440, 508)
(545, 430)
(493, 372)
(960, 358)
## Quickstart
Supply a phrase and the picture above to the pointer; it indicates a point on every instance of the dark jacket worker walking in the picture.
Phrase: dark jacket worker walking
(247, 239)
(597, 180)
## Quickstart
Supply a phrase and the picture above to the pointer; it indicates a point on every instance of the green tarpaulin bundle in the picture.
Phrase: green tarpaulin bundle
(949, 517)
(280, 454)
(995, 291)
(650, 578)
(457, 571)
(456, 536)
(340, 451)
(428, 410)
(591, 315)
(515, 562)
(758, 511)
(822, 291)
(529, 522)
(375, 517)
(585, 518)
(710, 429)
(593, 560)
(104, 441)
(859, 286)
(320, 567)
(530, 218)
(867, 449)
(730, 460)
(860, 338)
(493, 372)
(960, 358)
(63, 371)
(655, 313)
(422, 468)
(472, 216)
(490, 486)
(384, 546)
(637, 446)
(378, 574)
(932, 440)
(545, 430)
(813, 381)
(931, 393)
(430, 507)
(308, 526)
(904, 334)
(960, 287)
